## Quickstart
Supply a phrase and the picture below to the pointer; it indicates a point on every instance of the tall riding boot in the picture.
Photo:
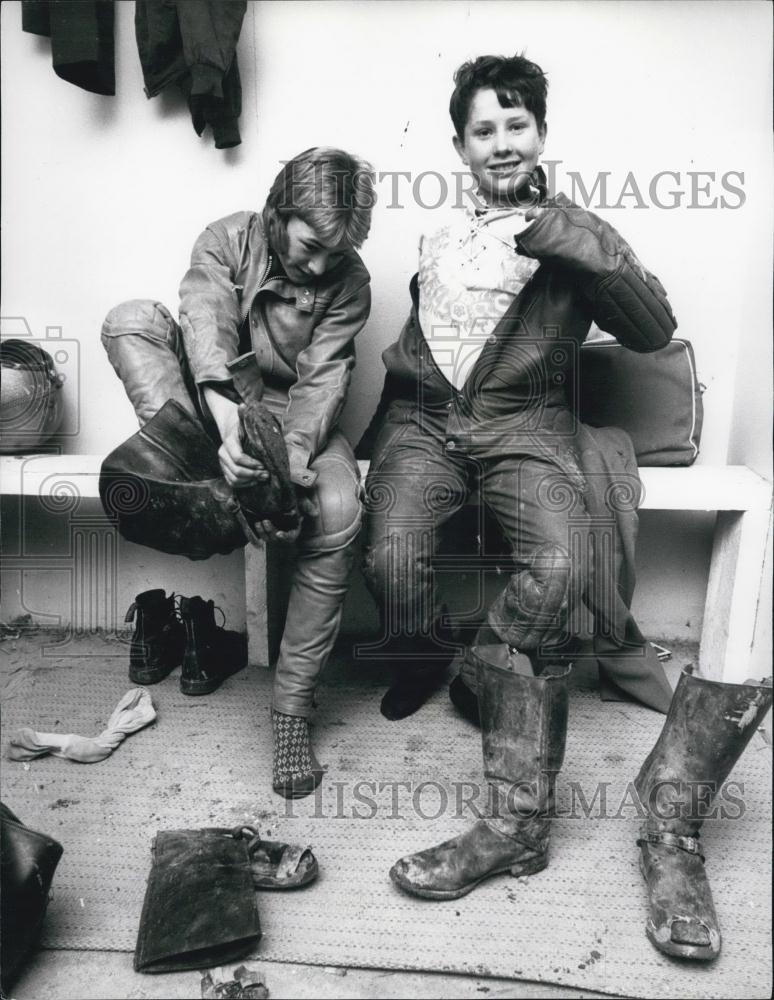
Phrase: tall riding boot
(708, 726)
(211, 652)
(158, 640)
(419, 669)
(463, 690)
(523, 732)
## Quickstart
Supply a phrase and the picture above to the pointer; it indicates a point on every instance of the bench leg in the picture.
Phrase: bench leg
(256, 606)
(733, 594)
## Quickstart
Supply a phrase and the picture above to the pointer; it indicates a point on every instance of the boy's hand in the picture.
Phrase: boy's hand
(307, 502)
(267, 531)
(532, 214)
(238, 468)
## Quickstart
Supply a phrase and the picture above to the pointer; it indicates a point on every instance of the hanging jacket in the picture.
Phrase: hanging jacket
(193, 43)
(82, 45)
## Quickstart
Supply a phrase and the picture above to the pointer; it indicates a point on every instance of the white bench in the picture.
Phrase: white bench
(741, 498)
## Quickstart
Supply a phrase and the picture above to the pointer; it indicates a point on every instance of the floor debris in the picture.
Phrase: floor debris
(245, 982)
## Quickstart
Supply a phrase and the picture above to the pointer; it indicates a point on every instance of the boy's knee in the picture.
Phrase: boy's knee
(137, 317)
(541, 590)
(537, 597)
(396, 569)
(340, 511)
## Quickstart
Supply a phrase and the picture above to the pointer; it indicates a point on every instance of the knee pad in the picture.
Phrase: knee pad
(144, 346)
(340, 513)
(535, 600)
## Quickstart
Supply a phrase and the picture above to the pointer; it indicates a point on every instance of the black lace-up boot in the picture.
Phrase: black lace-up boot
(211, 652)
(158, 640)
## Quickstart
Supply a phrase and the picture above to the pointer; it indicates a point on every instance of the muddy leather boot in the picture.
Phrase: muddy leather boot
(708, 726)
(211, 652)
(523, 732)
(463, 690)
(158, 640)
(200, 908)
(419, 669)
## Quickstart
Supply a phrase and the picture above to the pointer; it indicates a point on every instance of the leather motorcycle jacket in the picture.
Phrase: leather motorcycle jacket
(302, 336)
(523, 378)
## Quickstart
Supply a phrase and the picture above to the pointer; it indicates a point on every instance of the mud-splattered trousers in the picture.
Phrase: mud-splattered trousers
(564, 495)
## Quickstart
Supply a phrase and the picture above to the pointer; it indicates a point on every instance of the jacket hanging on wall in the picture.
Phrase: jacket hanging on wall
(81, 32)
(193, 43)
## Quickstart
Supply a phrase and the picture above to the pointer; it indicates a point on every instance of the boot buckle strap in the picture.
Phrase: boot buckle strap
(688, 844)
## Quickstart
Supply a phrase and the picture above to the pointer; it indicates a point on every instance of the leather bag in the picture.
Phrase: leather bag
(28, 862)
(655, 398)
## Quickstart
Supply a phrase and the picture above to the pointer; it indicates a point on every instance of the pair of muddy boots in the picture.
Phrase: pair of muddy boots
(523, 728)
(168, 635)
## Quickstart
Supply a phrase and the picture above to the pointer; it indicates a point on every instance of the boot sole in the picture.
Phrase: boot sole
(517, 871)
(299, 790)
(145, 677)
(193, 686)
(193, 689)
(698, 952)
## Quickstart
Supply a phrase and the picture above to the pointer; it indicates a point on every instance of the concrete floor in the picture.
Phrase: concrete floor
(100, 975)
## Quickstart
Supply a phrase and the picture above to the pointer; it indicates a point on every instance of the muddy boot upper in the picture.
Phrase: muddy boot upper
(708, 726)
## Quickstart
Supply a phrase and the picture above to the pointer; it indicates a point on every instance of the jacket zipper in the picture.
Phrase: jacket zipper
(269, 262)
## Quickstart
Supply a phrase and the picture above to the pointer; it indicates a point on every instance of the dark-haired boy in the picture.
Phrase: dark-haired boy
(476, 398)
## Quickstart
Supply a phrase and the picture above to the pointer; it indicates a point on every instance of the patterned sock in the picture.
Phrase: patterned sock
(293, 758)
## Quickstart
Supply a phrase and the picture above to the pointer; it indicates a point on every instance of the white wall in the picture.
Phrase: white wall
(103, 197)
